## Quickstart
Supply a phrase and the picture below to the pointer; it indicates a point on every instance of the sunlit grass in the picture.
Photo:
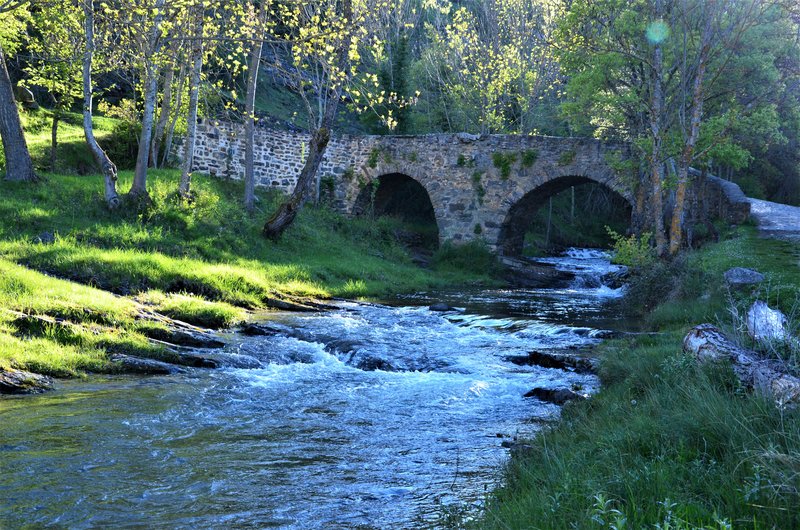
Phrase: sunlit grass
(203, 262)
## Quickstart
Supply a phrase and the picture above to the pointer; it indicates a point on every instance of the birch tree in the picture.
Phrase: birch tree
(107, 167)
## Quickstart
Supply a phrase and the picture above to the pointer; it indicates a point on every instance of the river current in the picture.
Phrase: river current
(367, 416)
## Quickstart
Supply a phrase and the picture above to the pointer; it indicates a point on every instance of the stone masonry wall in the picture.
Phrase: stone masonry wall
(472, 180)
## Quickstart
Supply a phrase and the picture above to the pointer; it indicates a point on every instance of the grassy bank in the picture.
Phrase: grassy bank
(668, 444)
(204, 262)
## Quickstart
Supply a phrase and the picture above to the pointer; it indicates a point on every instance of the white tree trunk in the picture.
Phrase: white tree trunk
(107, 167)
(191, 119)
(139, 187)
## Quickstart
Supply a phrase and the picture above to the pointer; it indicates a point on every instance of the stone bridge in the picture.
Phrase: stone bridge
(487, 186)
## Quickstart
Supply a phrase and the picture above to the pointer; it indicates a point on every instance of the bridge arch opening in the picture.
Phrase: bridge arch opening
(402, 197)
(567, 211)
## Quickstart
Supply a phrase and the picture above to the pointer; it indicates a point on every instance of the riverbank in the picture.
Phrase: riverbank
(666, 443)
(87, 274)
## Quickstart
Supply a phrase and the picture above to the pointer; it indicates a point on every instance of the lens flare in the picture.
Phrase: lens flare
(657, 31)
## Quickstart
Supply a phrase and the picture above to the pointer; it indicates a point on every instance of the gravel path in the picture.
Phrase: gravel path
(776, 220)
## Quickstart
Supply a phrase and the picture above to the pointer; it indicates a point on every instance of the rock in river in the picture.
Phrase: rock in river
(137, 365)
(22, 382)
(558, 396)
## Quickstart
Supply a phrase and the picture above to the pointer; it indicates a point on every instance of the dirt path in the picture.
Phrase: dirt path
(776, 220)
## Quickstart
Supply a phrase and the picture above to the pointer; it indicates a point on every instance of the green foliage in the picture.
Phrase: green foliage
(462, 160)
(202, 261)
(634, 250)
(567, 157)
(529, 157)
(73, 154)
(477, 184)
(372, 159)
(122, 144)
(478, 230)
(504, 162)
(471, 257)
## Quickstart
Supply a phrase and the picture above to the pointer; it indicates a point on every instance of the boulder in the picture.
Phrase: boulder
(45, 238)
(25, 96)
(557, 396)
(21, 382)
(615, 279)
(194, 360)
(740, 278)
(525, 273)
(441, 307)
(184, 336)
(369, 363)
(765, 324)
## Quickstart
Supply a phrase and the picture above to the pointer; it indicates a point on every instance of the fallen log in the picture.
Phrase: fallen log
(708, 344)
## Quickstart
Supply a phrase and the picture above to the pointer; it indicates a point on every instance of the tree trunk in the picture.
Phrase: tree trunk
(139, 186)
(288, 210)
(676, 228)
(191, 119)
(163, 116)
(19, 166)
(176, 115)
(54, 140)
(250, 123)
(107, 167)
(656, 162)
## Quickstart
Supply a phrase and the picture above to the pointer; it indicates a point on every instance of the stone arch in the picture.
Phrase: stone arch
(523, 207)
(399, 194)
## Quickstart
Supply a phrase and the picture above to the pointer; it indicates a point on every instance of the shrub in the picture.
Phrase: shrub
(504, 162)
(529, 157)
(473, 256)
(633, 251)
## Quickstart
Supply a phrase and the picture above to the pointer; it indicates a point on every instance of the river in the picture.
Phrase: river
(367, 416)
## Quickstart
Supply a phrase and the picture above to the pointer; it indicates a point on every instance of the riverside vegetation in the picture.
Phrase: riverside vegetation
(63, 255)
(667, 443)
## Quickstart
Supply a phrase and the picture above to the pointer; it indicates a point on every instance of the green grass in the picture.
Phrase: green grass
(73, 155)
(667, 443)
(95, 322)
(204, 262)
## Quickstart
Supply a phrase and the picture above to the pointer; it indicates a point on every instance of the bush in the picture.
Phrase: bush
(474, 256)
(632, 251)
(122, 145)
